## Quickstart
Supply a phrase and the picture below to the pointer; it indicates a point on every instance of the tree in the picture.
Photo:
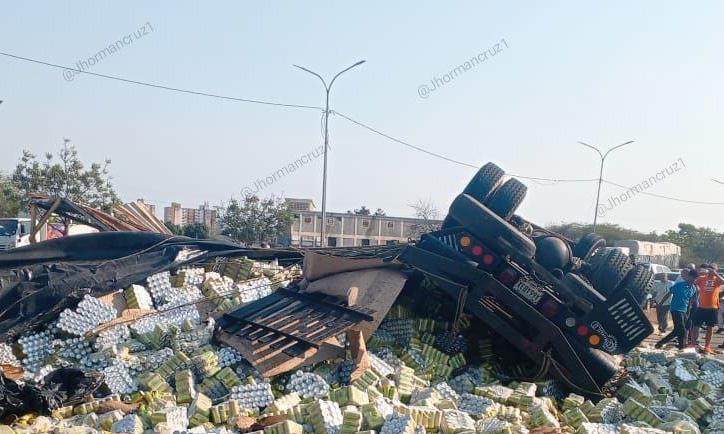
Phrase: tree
(66, 177)
(426, 211)
(10, 199)
(363, 210)
(196, 230)
(698, 244)
(254, 220)
(610, 231)
(174, 228)
(380, 212)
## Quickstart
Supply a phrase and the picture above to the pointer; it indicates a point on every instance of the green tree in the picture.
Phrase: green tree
(10, 199)
(254, 220)
(66, 177)
(196, 230)
(174, 228)
(610, 231)
(363, 210)
(698, 244)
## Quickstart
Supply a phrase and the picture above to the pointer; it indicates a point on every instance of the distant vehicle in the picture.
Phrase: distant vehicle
(658, 268)
(14, 232)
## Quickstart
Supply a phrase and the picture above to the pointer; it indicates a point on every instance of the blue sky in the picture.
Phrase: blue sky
(644, 71)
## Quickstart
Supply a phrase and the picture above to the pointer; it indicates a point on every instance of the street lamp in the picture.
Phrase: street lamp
(600, 175)
(327, 88)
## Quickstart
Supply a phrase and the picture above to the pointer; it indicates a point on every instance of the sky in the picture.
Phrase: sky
(562, 72)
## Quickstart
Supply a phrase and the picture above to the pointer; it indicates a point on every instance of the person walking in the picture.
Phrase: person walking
(662, 298)
(682, 295)
(709, 285)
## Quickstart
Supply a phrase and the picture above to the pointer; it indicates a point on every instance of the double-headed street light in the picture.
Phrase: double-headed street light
(327, 88)
(600, 175)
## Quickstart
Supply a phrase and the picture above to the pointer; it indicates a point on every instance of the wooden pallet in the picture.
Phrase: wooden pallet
(287, 325)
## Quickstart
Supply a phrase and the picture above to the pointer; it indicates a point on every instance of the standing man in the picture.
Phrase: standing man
(682, 294)
(662, 297)
(707, 314)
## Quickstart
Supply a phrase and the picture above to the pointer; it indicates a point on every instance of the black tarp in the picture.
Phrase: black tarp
(40, 280)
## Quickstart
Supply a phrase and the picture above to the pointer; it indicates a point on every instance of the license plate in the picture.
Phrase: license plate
(528, 290)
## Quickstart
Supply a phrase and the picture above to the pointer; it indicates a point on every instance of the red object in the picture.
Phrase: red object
(488, 259)
(582, 330)
(477, 251)
(54, 231)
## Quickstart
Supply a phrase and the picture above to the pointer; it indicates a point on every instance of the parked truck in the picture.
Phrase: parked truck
(14, 232)
(668, 254)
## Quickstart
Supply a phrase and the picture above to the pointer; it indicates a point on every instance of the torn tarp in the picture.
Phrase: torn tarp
(64, 386)
(40, 280)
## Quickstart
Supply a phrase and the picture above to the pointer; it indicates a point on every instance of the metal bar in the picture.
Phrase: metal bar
(316, 301)
(46, 217)
(272, 329)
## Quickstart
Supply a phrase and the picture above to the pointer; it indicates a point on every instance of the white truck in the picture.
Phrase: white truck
(14, 232)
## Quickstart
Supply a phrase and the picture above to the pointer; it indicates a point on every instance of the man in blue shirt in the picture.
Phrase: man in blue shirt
(682, 295)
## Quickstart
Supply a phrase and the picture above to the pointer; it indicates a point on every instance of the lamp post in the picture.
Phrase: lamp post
(600, 175)
(327, 88)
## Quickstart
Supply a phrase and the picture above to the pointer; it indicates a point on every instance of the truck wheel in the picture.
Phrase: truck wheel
(587, 245)
(507, 198)
(485, 182)
(487, 226)
(639, 281)
(610, 272)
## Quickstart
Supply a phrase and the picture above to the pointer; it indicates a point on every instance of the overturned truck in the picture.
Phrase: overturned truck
(568, 306)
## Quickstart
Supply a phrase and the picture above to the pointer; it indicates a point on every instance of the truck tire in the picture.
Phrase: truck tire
(488, 227)
(588, 244)
(507, 198)
(610, 271)
(485, 182)
(639, 281)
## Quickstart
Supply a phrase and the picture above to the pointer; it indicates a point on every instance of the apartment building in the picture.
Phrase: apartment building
(344, 229)
(183, 216)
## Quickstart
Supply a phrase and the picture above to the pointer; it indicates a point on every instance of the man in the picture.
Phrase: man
(681, 275)
(709, 285)
(682, 294)
(662, 298)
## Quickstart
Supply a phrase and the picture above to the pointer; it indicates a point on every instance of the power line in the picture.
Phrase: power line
(448, 159)
(676, 199)
(159, 86)
(358, 123)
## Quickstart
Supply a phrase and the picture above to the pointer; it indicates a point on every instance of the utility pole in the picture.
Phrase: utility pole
(600, 175)
(327, 88)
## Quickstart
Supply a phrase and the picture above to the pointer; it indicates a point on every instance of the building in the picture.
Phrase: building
(183, 216)
(300, 204)
(352, 230)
